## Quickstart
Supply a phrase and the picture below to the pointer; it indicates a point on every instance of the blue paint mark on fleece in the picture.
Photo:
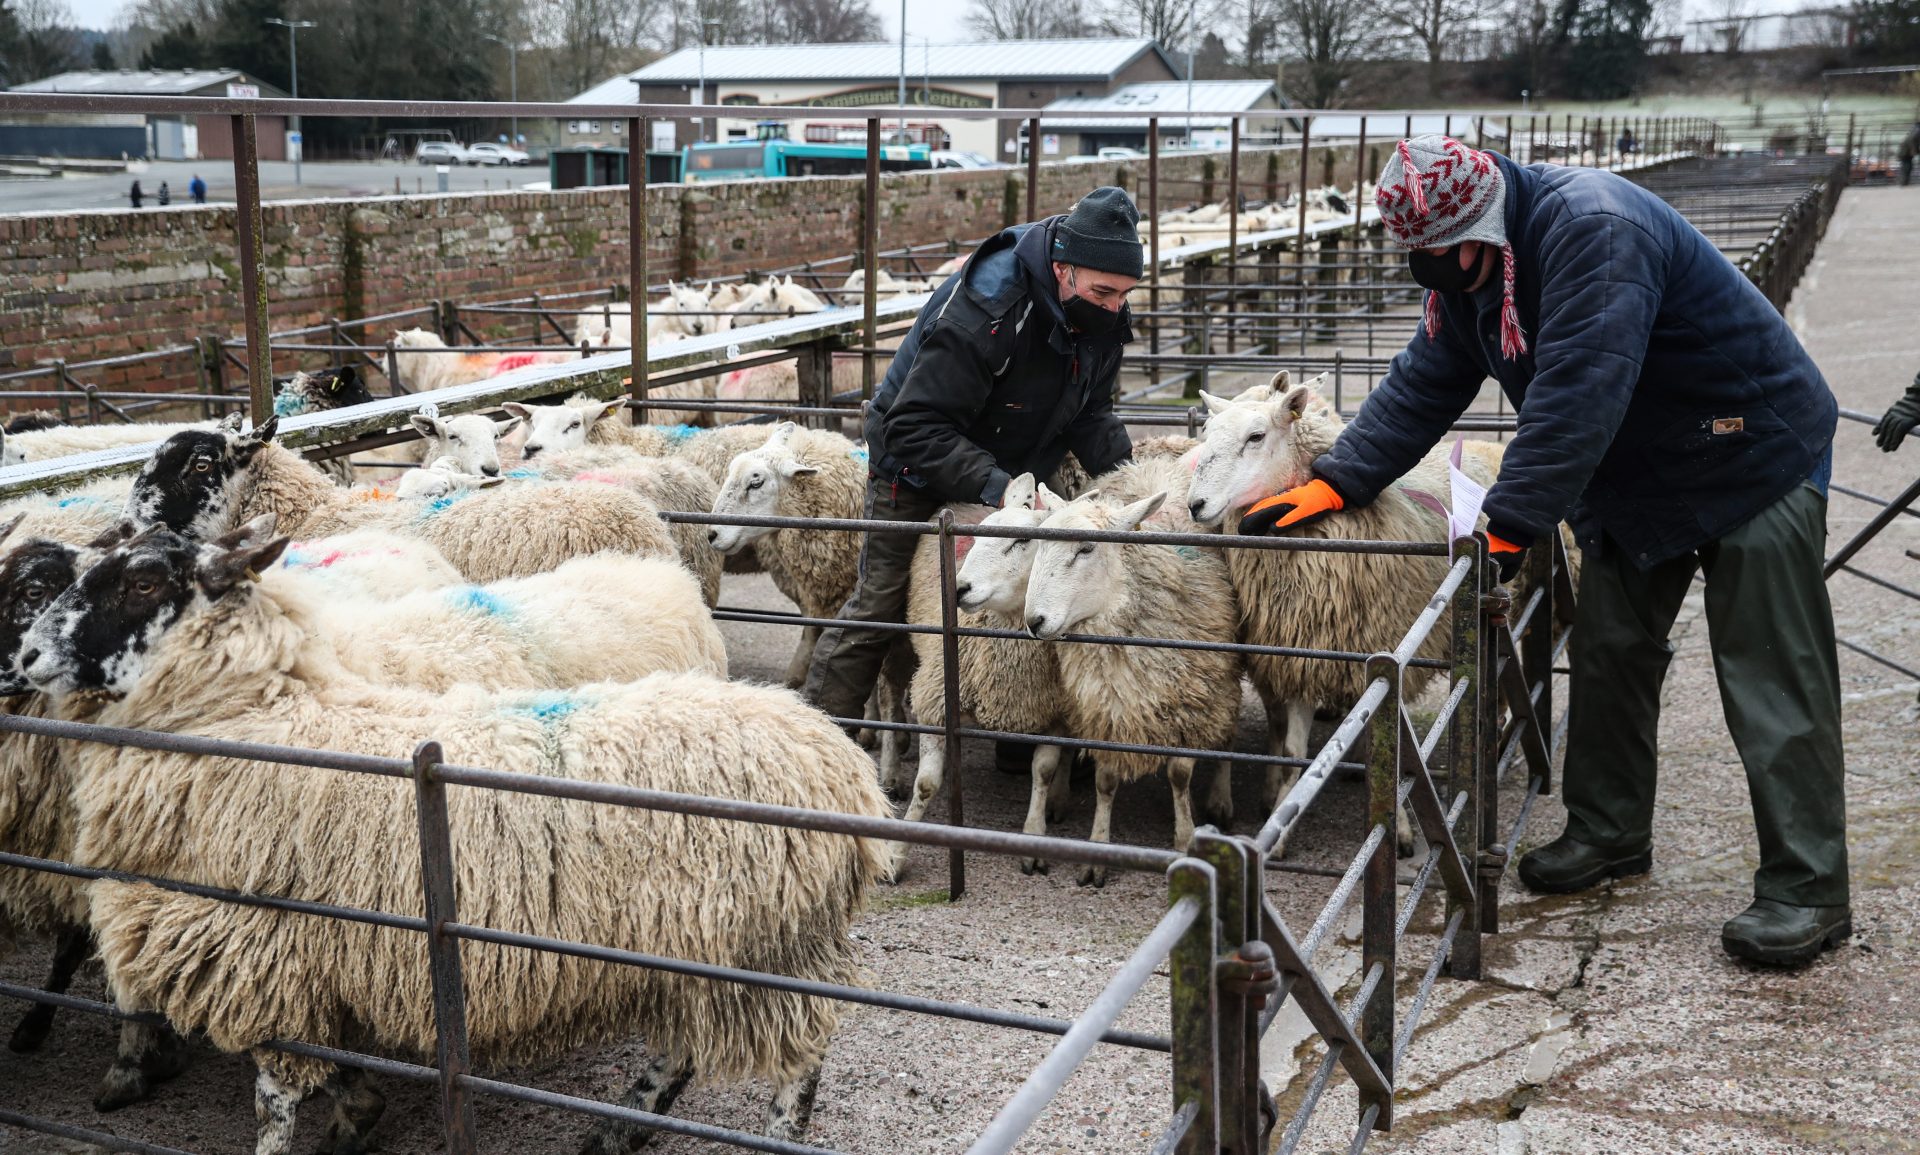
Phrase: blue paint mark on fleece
(289, 404)
(858, 453)
(80, 500)
(1187, 552)
(679, 432)
(548, 708)
(474, 599)
(442, 504)
(523, 474)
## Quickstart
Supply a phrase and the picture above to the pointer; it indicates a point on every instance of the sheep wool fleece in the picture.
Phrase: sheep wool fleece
(736, 894)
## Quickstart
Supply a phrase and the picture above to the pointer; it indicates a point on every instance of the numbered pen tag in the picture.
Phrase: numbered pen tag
(733, 350)
(1468, 495)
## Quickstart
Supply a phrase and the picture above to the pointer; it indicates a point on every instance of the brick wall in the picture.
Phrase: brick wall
(90, 285)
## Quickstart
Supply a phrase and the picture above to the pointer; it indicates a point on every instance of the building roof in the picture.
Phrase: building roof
(160, 82)
(1167, 100)
(1007, 60)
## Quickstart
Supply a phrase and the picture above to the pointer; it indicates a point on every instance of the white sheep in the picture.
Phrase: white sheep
(667, 484)
(1005, 684)
(50, 441)
(605, 618)
(224, 658)
(364, 562)
(421, 370)
(1139, 694)
(1263, 442)
(441, 478)
(798, 472)
(471, 440)
(206, 484)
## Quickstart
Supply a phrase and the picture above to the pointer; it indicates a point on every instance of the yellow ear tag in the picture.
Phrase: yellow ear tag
(253, 577)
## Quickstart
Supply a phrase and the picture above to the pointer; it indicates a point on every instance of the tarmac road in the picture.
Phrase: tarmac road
(320, 179)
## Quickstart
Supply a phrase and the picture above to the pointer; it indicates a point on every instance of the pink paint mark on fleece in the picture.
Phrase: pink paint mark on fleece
(512, 361)
(597, 477)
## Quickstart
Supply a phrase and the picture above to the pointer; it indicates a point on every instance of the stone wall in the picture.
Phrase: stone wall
(85, 286)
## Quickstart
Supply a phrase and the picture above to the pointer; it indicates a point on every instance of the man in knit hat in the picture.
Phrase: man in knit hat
(1011, 364)
(1667, 411)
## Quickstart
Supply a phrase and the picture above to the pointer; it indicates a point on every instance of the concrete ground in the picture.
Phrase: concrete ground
(317, 179)
(1607, 1023)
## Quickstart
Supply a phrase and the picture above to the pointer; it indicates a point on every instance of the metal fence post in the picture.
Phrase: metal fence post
(253, 291)
(870, 246)
(1464, 756)
(1153, 231)
(1537, 650)
(950, 659)
(1195, 1012)
(1033, 169)
(443, 951)
(1379, 896)
(1246, 973)
(1495, 602)
(636, 262)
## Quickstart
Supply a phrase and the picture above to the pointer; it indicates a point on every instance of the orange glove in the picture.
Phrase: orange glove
(1506, 555)
(1297, 506)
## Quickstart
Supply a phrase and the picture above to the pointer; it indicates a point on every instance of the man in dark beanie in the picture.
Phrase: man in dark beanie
(1011, 364)
(1668, 412)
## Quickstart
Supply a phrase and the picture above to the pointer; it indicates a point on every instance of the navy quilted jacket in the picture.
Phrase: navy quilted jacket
(1662, 400)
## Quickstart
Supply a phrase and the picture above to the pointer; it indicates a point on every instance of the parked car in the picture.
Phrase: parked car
(1116, 152)
(441, 152)
(489, 153)
(954, 158)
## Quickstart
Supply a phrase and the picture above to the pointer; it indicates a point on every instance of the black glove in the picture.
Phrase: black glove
(1899, 419)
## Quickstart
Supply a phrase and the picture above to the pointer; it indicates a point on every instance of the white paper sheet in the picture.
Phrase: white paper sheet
(1467, 494)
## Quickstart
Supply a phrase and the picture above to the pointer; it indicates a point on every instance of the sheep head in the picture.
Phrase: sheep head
(471, 440)
(1073, 581)
(192, 482)
(33, 573)
(993, 576)
(442, 478)
(100, 633)
(1254, 446)
(556, 429)
(755, 481)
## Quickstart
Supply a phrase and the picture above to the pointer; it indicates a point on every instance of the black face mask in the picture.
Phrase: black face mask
(1087, 317)
(1443, 273)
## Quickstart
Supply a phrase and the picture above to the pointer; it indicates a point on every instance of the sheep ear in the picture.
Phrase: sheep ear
(792, 469)
(427, 426)
(1019, 494)
(1296, 401)
(487, 482)
(1215, 405)
(1280, 381)
(609, 408)
(220, 570)
(517, 409)
(258, 529)
(782, 434)
(233, 422)
(1129, 518)
(113, 535)
(12, 524)
(262, 433)
(346, 376)
(502, 428)
(1045, 499)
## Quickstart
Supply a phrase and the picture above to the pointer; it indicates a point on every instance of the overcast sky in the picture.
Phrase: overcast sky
(941, 19)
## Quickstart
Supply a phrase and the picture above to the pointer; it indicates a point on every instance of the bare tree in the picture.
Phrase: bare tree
(1328, 38)
(1730, 22)
(1028, 19)
(1259, 34)
(1432, 24)
(49, 43)
(827, 21)
(1171, 23)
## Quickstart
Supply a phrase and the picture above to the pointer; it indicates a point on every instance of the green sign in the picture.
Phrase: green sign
(740, 98)
(868, 97)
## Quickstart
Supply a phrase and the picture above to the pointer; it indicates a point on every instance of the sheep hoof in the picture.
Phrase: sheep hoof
(1404, 845)
(32, 1031)
(1033, 866)
(868, 739)
(1094, 876)
(124, 1085)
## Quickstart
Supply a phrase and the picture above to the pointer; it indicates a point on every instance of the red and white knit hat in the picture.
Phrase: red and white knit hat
(1435, 193)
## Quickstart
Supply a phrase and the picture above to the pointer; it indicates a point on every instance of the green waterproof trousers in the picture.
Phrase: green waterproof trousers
(1771, 629)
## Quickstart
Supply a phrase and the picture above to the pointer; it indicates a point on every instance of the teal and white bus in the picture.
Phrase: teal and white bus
(772, 154)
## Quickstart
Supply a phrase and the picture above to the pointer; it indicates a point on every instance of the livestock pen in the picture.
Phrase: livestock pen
(1232, 959)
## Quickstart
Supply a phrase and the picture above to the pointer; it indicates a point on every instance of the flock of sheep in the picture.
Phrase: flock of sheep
(520, 599)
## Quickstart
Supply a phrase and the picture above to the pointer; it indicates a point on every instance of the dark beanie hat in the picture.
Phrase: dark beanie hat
(1102, 232)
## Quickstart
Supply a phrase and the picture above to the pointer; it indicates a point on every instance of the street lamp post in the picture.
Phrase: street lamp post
(293, 28)
(903, 69)
(706, 33)
(513, 82)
